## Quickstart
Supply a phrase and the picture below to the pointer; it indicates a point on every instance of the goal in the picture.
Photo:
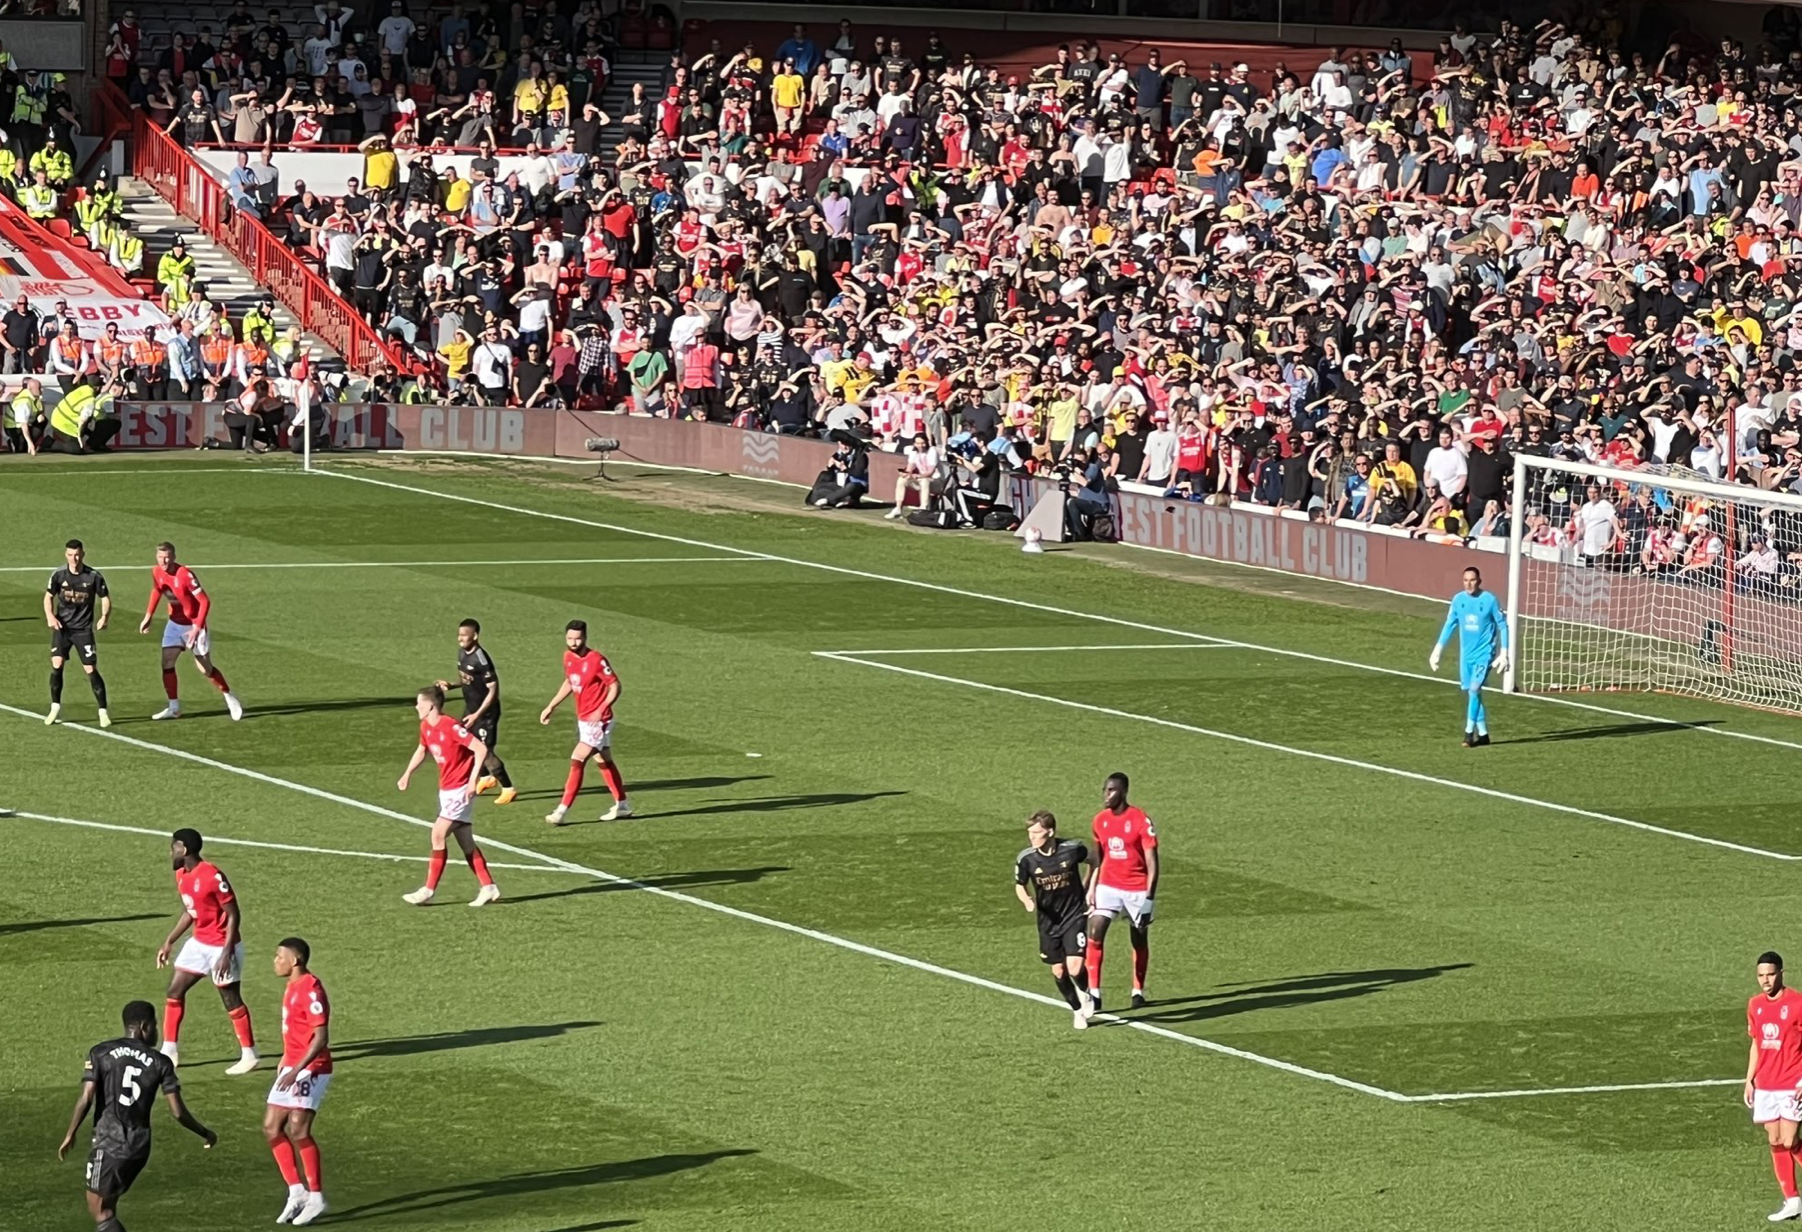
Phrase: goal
(1692, 592)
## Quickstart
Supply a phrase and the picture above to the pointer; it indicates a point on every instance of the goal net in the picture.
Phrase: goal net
(1655, 579)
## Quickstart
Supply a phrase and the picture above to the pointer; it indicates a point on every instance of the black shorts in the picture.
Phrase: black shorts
(487, 729)
(1063, 941)
(81, 640)
(112, 1169)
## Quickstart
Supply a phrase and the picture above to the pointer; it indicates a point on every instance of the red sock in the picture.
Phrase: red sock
(435, 869)
(1141, 960)
(573, 784)
(479, 866)
(615, 784)
(1092, 960)
(170, 683)
(1783, 1160)
(218, 679)
(172, 1011)
(283, 1150)
(241, 1024)
(309, 1159)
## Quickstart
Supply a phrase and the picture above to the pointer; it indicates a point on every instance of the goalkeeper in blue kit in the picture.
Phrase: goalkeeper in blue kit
(1482, 648)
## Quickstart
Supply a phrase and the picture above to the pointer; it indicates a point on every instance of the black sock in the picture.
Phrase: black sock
(109, 1225)
(98, 684)
(500, 774)
(1068, 988)
(56, 686)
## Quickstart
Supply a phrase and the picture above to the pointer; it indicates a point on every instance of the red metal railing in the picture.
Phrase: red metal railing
(158, 160)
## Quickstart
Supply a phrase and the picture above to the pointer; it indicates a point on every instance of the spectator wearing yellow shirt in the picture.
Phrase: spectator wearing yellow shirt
(788, 94)
(456, 354)
(858, 379)
(381, 168)
(529, 98)
(1734, 317)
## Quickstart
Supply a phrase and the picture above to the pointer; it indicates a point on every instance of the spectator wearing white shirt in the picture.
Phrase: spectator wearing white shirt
(395, 30)
(1159, 467)
(917, 469)
(493, 367)
(1447, 466)
(1595, 526)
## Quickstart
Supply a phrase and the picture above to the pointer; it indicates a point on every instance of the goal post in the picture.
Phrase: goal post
(1690, 591)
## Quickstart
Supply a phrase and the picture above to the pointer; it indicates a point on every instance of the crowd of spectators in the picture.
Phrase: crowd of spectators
(1357, 285)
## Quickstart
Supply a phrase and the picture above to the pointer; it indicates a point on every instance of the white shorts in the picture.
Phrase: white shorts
(1775, 1106)
(458, 805)
(308, 1092)
(201, 958)
(177, 635)
(596, 736)
(1135, 904)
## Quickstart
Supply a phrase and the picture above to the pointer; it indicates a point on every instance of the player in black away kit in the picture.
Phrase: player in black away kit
(481, 685)
(69, 602)
(1054, 869)
(120, 1082)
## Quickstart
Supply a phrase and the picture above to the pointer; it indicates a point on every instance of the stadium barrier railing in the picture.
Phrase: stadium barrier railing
(160, 161)
(1238, 534)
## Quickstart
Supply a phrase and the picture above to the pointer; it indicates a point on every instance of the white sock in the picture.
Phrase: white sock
(297, 1190)
(244, 1052)
(229, 697)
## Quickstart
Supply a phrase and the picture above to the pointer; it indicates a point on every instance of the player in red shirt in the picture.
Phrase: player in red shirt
(185, 630)
(216, 949)
(1125, 883)
(300, 1082)
(588, 675)
(1774, 1072)
(457, 753)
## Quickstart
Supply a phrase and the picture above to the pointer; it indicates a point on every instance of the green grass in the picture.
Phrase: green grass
(585, 1055)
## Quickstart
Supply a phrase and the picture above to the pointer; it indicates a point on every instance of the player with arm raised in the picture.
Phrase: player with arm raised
(457, 753)
(588, 675)
(186, 629)
(1774, 1074)
(1054, 868)
(300, 1082)
(69, 602)
(216, 949)
(481, 685)
(119, 1084)
(1125, 883)
(1482, 648)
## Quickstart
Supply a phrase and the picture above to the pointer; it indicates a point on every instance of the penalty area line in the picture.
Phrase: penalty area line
(1467, 1096)
(554, 863)
(1270, 746)
(1030, 605)
(955, 650)
(293, 848)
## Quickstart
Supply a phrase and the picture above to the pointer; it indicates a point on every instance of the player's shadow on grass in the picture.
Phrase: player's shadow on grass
(33, 926)
(668, 881)
(691, 784)
(1285, 994)
(775, 804)
(524, 1184)
(1612, 729)
(318, 707)
(448, 1041)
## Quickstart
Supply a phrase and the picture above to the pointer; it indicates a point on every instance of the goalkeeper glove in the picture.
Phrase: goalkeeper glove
(1501, 661)
(1433, 659)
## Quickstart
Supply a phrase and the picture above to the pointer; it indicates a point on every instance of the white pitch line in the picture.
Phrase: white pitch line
(214, 839)
(954, 650)
(1029, 605)
(554, 863)
(27, 470)
(1314, 755)
(416, 564)
(1465, 1096)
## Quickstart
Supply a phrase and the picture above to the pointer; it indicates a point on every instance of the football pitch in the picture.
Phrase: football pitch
(1395, 984)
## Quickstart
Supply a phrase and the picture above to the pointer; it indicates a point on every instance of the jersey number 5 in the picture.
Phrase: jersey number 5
(129, 1095)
